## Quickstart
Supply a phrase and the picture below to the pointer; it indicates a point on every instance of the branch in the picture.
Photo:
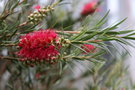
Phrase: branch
(94, 41)
(9, 58)
(23, 24)
(71, 32)
(77, 57)
(21, 2)
(8, 44)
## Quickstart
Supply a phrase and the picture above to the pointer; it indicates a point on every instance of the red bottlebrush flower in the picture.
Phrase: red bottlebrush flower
(89, 8)
(39, 46)
(37, 7)
(38, 75)
(88, 48)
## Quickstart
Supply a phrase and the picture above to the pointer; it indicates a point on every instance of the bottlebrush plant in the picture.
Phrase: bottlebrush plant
(41, 51)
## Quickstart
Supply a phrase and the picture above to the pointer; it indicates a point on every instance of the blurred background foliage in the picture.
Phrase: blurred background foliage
(106, 71)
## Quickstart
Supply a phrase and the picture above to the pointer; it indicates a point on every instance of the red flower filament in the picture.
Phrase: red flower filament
(39, 46)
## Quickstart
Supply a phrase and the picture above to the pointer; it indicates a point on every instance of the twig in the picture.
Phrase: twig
(80, 57)
(71, 32)
(9, 58)
(23, 24)
(87, 41)
(8, 44)
(93, 41)
(21, 2)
